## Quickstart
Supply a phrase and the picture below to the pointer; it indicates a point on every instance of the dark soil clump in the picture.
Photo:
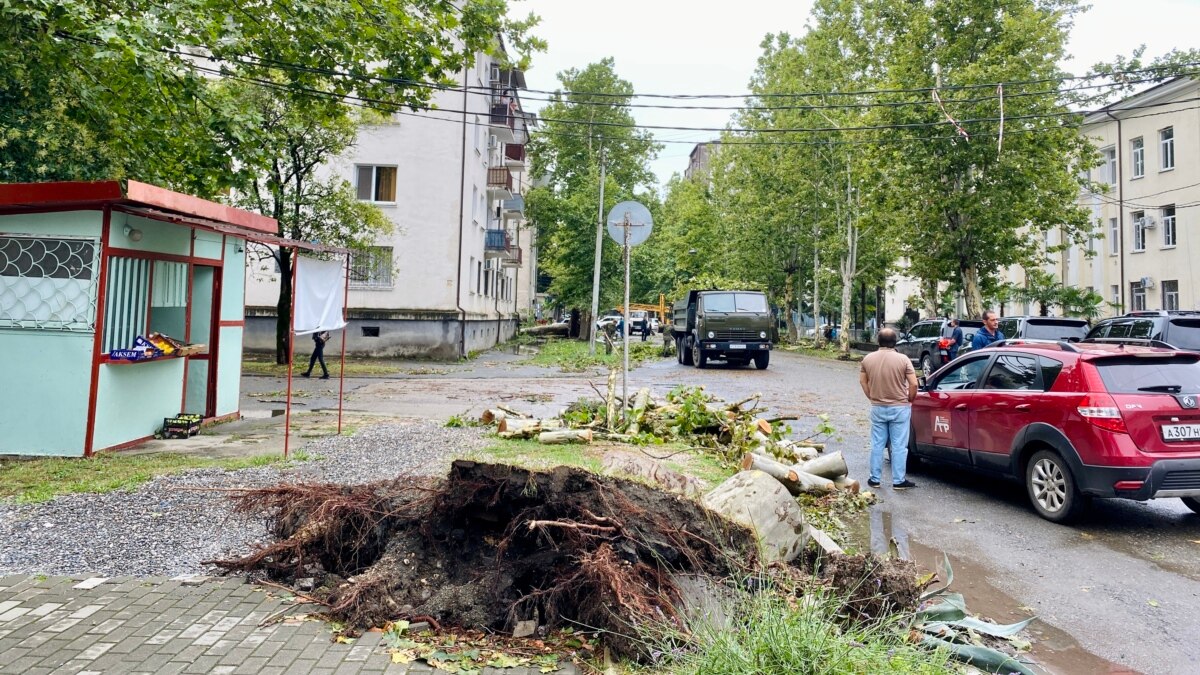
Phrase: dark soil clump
(874, 587)
(492, 545)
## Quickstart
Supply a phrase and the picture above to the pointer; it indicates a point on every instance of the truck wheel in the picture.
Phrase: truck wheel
(761, 360)
(678, 352)
(698, 355)
(685, 351)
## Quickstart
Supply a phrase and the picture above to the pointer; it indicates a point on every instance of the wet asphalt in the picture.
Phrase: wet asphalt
(1117, 592)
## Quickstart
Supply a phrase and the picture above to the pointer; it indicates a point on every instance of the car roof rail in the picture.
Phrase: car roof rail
(1137, 342)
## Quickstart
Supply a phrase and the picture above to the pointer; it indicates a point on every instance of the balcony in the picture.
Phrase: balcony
(513, 208)
(500, 182)
(503, 122)
(514, 156)
(512, 259)
(497, 244)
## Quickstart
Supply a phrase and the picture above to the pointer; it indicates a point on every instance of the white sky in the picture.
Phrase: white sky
(711, 47)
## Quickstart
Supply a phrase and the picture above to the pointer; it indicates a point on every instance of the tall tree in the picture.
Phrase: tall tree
(589, 112)
(980, 166)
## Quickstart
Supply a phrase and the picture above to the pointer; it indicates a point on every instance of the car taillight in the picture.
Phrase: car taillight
(1102, 411)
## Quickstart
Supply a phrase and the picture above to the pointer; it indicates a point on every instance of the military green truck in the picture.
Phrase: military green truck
(734, 326)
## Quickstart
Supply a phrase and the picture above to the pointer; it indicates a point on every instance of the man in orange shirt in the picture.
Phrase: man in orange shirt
(890, 383)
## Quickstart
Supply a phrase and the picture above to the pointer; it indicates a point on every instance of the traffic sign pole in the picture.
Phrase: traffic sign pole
(625, 356)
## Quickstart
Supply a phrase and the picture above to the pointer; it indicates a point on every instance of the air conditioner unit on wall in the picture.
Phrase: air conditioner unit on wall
(1148, 222)
(1147, 282)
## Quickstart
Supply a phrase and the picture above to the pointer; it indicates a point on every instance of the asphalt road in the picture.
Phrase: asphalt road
(1124, 582)
(1116, 593)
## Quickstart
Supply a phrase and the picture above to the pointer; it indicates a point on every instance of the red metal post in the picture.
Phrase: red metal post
(287, 413)
(98, 337)
(345, 319)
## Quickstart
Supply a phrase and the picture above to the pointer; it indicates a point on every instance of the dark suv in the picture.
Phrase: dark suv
(921, 343)
(1180, 329)
(1043, 328)
(1070, 421)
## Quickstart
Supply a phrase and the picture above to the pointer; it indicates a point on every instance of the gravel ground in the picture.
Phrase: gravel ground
(166, 527)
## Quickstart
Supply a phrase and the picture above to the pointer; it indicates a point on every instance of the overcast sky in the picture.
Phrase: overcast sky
(711, 47)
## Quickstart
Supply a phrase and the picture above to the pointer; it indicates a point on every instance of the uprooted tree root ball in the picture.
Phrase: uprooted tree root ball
(494, 544)
(873, 587)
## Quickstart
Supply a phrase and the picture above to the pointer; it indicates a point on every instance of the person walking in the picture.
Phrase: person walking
(890, 384)
(989, 333)
(956, 339)
(318, 355)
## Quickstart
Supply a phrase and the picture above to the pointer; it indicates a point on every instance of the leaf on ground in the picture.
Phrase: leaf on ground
(501, 660)
(403, 656)
(342, 639)
(1152, 603)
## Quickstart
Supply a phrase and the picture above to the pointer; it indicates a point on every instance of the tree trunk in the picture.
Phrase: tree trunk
(565, 436)
(971, 292)
(816, 303)
(929, 289)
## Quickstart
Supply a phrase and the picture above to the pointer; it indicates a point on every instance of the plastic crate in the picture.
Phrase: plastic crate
(181, 426)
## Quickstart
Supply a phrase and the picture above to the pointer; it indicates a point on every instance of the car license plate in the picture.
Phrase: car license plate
(1181, 432)
(737, 346)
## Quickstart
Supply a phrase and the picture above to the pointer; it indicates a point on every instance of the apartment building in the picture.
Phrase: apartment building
(1144, 250)
(455, 274)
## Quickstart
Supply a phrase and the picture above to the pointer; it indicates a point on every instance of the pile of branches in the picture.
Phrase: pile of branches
(686, 414)
(494, 547)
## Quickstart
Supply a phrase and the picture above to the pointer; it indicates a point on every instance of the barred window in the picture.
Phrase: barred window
(371, 268)
(49, 283)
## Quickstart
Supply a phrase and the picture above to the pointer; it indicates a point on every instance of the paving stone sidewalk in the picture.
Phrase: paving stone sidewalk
(157, 625)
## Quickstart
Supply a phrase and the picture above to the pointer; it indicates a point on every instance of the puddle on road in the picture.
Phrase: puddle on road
(1054, 650)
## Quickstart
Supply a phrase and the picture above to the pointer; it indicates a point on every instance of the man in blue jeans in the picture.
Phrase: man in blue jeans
(890, 383)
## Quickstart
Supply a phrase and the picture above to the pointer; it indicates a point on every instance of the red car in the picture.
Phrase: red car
(1071, 421)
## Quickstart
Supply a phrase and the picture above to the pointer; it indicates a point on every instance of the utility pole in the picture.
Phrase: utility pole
(591, 333)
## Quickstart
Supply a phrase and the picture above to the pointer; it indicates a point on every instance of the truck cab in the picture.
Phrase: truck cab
(733, 326)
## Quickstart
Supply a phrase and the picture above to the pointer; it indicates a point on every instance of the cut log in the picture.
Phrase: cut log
(807, 482)
(822, 540)
(565, 436)
(513, 413)
(559, 329)
(846, 483)
(794, 480)
(763, 426)
(640, 401)
(757, 501)
(616, 462)
(491, 416)
(830, 466)
(528, 428)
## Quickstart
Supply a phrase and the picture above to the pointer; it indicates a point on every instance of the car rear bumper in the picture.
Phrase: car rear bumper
(1165, 478)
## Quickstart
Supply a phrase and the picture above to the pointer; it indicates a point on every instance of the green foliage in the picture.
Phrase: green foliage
(694, 412)
(565, 208)
(572, 355)
(461, 421)
(771, 635)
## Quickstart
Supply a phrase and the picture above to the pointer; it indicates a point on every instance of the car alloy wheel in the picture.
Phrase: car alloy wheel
(926, 365)
(1052, 488)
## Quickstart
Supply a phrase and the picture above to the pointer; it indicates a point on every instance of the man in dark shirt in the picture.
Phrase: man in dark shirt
(956, 339)
(989, 333)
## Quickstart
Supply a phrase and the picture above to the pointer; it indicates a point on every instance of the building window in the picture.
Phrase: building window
(1115, 293)
(1137, 297)
(49, 283)
(478, 278)
(1138, 153)
(1168, 225)
(1170, 291)
(1114, 236)
(1109, 156)
(376, 183)
(1139, 231)
(371, 268)
(1166, 147)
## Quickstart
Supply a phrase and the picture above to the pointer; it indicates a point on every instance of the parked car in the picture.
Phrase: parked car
(655, 325)
(1043, 328)
(923, 343)
(639, 319)
(1070, 421)
(1180, 329)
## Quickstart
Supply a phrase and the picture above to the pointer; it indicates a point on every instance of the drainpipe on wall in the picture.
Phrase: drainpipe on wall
(462, 198)
(1120, 213)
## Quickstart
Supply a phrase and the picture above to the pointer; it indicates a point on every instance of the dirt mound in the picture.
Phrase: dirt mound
(874, 587)
(492, 545)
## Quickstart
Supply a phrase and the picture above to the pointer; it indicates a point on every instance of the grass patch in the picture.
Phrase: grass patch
(572, 355)
(829, 350)
(264, 364)
(774, 635)
(39, 480)
(533, 455)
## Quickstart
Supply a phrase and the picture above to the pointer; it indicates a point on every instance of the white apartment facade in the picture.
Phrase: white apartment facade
(1147, 239)
(455, 274)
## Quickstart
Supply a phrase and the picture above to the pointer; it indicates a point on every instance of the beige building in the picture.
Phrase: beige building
(1145, 248)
